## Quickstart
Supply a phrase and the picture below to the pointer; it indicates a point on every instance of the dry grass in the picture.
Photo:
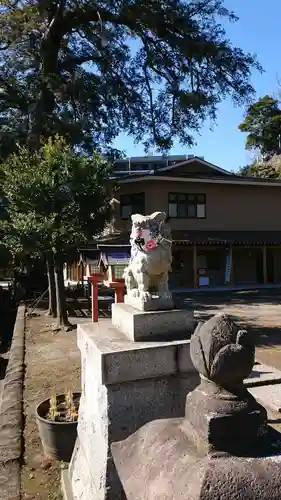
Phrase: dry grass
(52, 365)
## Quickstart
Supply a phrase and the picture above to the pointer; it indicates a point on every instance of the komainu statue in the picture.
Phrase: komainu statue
(151, 257)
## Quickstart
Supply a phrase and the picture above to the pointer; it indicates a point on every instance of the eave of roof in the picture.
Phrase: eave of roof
(227, 237)
(214, 237)
(234, 180)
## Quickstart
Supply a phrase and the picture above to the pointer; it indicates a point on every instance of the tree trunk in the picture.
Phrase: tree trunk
(52, 311)
(62, 317)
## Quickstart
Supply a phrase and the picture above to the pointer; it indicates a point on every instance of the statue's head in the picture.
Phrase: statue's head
(221, 352)
(148, 231)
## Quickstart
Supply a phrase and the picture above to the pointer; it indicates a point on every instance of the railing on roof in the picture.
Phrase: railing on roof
(145, 164)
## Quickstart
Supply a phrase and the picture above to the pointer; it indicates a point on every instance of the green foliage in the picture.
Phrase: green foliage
(57, 198)
(88, 70)
(262, 124)
(270, 169)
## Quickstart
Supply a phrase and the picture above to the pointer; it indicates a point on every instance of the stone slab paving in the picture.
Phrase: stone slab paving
(268, 395)
(263, 375)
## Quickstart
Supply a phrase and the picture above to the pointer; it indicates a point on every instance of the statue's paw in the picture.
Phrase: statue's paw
(145, 296)
(134, 293)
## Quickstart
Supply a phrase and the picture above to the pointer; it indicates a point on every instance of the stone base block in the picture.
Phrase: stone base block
(66, 485)
(154, 304)
(124, 386)
(138, 325)
(161, 461)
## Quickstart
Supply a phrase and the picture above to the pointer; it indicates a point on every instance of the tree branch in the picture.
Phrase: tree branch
(80, 16)
(149, 90)
(71, 62)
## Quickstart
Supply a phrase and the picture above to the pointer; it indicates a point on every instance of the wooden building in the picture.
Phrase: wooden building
(226, 228)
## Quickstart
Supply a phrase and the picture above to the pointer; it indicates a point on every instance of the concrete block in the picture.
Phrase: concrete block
(154, 304)
(184, 363)
(124, 386)
(66, 485)
(152, 325)
(116, 359)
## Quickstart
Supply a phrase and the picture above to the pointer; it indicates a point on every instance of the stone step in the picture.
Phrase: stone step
(268, 395)
(264, 383)
(263, 375)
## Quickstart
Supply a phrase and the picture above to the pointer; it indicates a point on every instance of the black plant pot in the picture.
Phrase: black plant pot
(58, 438)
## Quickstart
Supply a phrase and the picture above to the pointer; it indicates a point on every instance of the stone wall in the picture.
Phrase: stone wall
(11, 414)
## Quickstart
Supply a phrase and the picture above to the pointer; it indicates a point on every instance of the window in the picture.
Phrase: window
(191, 206)
(211, 260)
(121, 167)
(119, 271)
(135, 167)
(132, 204)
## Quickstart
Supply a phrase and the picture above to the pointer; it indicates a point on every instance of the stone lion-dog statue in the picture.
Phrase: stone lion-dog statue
(151, 257)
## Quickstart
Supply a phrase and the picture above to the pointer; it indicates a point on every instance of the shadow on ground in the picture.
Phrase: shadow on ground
(205, 305)
(81, 307)
(3, 366)
(234, 298)
(266, 336)
(7, 326)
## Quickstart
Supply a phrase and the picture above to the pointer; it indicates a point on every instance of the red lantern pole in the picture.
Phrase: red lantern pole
(119, 293)
(95, 279)
(95, 305)
(119, 289)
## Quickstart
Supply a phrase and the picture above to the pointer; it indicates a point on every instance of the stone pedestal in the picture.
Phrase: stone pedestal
(138, 325)
(153, 304)
(125, 384)
(223, 448)
(208, 455)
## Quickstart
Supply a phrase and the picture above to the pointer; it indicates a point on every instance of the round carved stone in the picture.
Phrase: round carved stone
(221, 352)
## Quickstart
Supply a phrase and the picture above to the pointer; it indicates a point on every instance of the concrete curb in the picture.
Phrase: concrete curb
(11, 414)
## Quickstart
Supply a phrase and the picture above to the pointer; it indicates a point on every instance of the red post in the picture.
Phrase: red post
(95, 305)
(95, 279)
(118, 287)
(119, 294)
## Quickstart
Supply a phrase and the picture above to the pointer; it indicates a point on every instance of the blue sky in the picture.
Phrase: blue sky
(258, 31)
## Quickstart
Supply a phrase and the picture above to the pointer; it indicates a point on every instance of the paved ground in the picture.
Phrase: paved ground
(258, 310)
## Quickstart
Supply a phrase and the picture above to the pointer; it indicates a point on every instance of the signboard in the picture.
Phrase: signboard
(227, 269)
(204, 281)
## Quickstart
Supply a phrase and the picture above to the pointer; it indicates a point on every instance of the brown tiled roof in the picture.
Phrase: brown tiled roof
(232, 177)
(90, 256)
(120, 238)
(209, 237)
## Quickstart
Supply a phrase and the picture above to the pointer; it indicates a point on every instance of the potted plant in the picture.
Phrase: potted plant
(57, 423)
